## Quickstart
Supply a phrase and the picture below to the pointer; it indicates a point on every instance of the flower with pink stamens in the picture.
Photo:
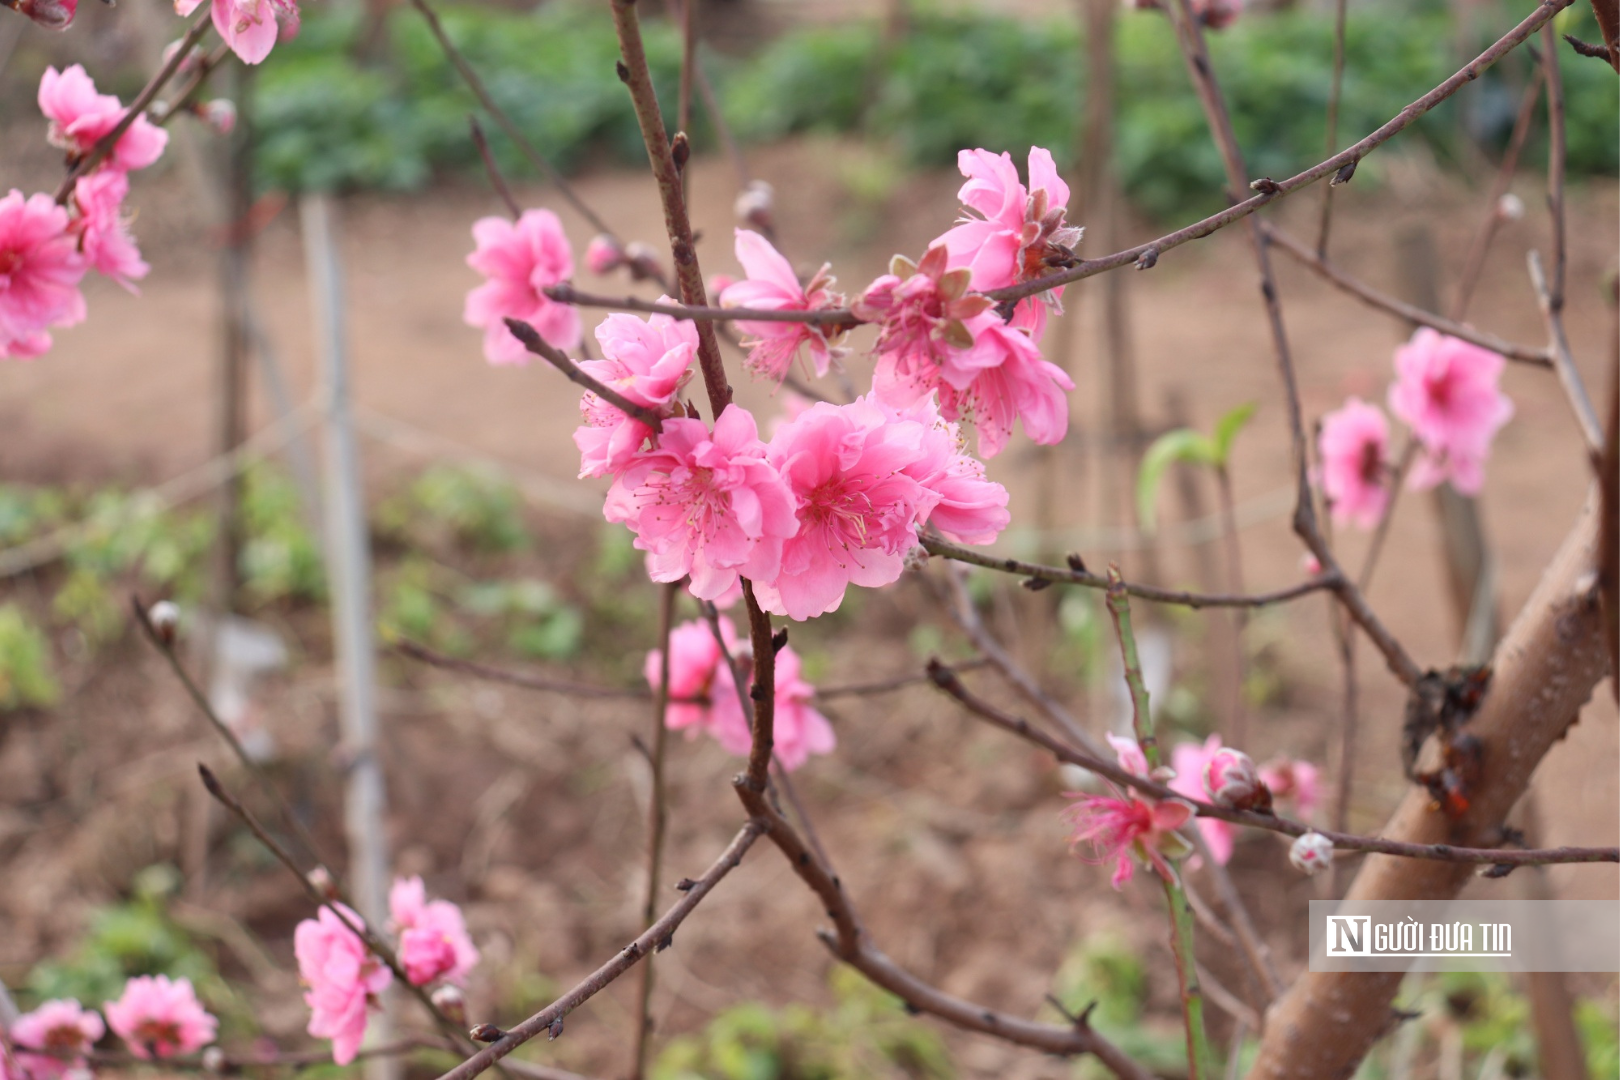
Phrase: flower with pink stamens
(62, 1032)
(342, 978)
(646, 361)
(1447, 390)
(858, 509)
(520, 259)
(433, 940)
(40, 271)
(771, 285)
(249, 27)
(972, 509)
(1124, 824)
(160, 1018)
(80, 116)
(1354, 445)
(104, 232)
(706, 503)
(1014, 234)
(1000, 380)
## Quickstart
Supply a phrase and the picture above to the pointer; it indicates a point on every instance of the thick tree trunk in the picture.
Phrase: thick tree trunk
(1546, 668)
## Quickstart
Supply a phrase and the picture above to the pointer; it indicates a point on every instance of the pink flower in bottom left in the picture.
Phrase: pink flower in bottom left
(62, 1031)
(342, 977)
(160, 1018)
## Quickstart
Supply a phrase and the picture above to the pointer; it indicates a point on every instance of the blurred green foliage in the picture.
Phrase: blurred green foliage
(458, 506)
(866, 1034)
(954, 80)
(281, 558)
(26, 678)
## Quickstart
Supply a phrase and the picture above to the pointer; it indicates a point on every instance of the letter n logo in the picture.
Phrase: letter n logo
(1349, 935)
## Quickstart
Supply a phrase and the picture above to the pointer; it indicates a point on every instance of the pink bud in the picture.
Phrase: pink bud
(219, 114)
(51, 14)
(1232, 781)
(603, 254)
(1311, 854)
(643, 261)
(755, 205)
(1310, 564)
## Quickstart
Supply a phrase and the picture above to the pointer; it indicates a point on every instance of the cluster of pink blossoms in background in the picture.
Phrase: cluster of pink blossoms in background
(703, 695)
(1448, 392)
(46, 249)
(155, 1016)
(343, 978)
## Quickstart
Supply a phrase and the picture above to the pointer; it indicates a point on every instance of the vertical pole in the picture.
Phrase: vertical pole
(349, 571)
(235, 338)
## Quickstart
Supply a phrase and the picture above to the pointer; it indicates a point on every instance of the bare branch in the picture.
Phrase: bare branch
(540, 347)
(492, 170)
(565, 293)
(1474, 264)
(417, 651)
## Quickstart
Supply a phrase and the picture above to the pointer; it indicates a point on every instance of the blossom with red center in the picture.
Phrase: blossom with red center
(647, 362)
(1190, 760)
(520, 259)
(703, 695)
(972, 509)
(706, 503)
(433, 940)
(857, 506)
(1014, 234)
(80, 116)
(1123, 825)
(104, 235)
(771, 285)
(1354, 444)
(62, 1032)
(160, 1018)
(40, 271)
(51, 14)
(249, 27)
(1447, 390)
(342, 979)
(1292, 780)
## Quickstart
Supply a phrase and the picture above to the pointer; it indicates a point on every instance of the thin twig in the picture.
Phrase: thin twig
(1556, 154)
(945, 678)
(565, 293)
(1474, 263)
(1253, 947)
(1119, 609)
(476, 85)
(1412, 314)
(1397, 482)
(1224, 999)
(1335, 93)
(1569, 376)
(104, 145)
(200, 75)
(165, 648)
(1192, 994)
(656, 820)
(897, 682)
(957, 553)
(493, 171)
(542, 348)
(417, 651)
(656, 937)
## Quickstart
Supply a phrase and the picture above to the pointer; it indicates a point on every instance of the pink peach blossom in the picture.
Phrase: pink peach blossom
(80, 116)
(1015, 234)
(1231, 780)
(1354, 445)
(1293, 780)
(520, 259)
(62, 1032)
(1190, 760)
(1120, 825)
(52, 15)
(433, 940)
(707, 504)
(342, 980)
(858, 509)
(646, 361)
(603, 255)
(771, 285)
(105, 238)
(972, 509)
(922, 312)
(249, 27)
(160, 1018)
(1447, 391)
(40, 270)
(798, 729)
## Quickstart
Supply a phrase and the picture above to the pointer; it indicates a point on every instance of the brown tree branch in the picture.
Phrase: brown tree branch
(540, 347)
(1474, 263)
(565, 293)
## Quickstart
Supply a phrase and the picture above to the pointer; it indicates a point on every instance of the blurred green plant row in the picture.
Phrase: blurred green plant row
(442, 577)
(950, 81)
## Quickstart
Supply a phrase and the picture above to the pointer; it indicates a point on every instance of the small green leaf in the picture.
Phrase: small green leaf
(1184, 444)
(1227, 428)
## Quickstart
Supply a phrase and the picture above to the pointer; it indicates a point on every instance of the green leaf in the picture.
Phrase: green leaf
(1227, 428)
(1183, 444)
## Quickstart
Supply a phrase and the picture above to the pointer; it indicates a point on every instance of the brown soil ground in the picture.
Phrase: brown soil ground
(529, 807)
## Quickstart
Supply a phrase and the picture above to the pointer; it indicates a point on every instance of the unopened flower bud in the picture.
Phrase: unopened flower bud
(486, 1033)
(452, 1002)
(756, 205)
(1510, 207)
(643, 260)
(51, 14)
(185, 65)
(213, 1060)
(603, 254)
(165, 619)
(320, 879)
(1311, 854)
(1232, 781)
(1163, 774)
(219, 114)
